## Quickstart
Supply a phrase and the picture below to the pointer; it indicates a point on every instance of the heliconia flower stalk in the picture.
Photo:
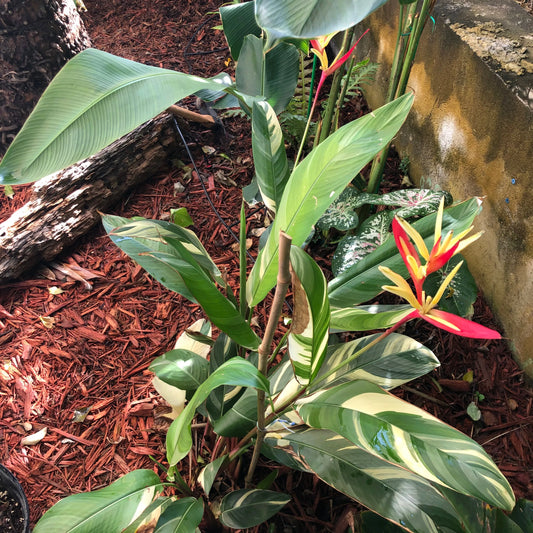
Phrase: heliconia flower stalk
(424, 306)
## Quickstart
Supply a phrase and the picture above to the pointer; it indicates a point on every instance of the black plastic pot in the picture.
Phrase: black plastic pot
(12, 494)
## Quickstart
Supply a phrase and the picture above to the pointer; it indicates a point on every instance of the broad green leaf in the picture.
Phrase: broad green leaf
(149, 516)
(478, 517)
(353, 248)
(181, 368)
(250, 507)
(390, 363)
(222, 398)
(462, 291)
(139, 237)
(236, 371)
(208, 474)
(308, 337)
(181, 217)
(270, 158)
(175, 257)
(372, 522)
(238, 21)
(242, 416)
(95, 99)
(319, 179)
(306, 19)
(363, 281)
(367, 317)
(182, 516)
(387, 489)
(273, 75)
(408, 436)
(523, 515)
(341, 214)
(110, 509)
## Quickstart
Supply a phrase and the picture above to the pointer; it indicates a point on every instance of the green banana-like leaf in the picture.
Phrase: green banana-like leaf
(236, 371)
(270, 158)
(245, 508)
(390, 363)
(306, 19)
(403, 434)
(95, 99)
(391, 491)
(238, 21)
(110, 509)
(183, 369)
(367, 317)
(175, 257)
(363, 281)
(308, 337)
(319, 179)
(182, 516)
(272, 75)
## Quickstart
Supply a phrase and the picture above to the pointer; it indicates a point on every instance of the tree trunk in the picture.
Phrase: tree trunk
(65, 206)
(37, 37)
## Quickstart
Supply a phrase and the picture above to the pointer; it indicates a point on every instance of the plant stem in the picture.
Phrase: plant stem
(242, 264)
(264, 350)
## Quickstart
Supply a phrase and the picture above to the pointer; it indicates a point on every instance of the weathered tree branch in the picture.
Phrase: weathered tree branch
(65, 206)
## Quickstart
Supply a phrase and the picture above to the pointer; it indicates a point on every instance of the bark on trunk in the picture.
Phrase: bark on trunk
(65, 206)
(37, 37)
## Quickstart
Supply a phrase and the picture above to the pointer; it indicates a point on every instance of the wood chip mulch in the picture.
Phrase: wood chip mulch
(74, 360)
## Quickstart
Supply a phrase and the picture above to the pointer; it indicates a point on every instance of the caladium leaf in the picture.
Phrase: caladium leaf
(270, 158)
(341, 214)
(236, 371)
(112, 508)
(462, 291)
(318, 180)
(308, 337)
(363, 281)
(390, 363)
(377, 421)
(353, 248)
(367, 317)
(272, 75)
(389, 490)
(175, 257)
(95, 99)
(182, 516)
(245, 508)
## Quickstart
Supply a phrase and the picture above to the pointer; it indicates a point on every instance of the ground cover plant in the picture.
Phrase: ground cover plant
(175, 257)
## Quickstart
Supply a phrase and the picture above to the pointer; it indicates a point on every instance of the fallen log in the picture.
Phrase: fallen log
(65, 205)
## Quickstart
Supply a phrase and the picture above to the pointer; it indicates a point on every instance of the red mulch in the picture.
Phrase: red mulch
(90, 349)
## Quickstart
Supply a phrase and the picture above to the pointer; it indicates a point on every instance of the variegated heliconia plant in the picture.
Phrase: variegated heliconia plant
(303, 399)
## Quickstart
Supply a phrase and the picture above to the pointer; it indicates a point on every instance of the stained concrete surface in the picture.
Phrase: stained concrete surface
(470, 132)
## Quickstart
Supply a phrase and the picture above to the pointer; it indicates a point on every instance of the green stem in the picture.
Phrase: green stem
(242, 264)
(264, 350)
(312, 85)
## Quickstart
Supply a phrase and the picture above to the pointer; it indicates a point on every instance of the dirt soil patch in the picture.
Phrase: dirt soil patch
(74, 360)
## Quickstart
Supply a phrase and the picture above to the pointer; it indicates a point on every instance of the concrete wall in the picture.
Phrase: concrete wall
(471, 132)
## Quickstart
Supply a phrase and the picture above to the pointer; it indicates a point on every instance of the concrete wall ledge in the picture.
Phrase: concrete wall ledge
(471, 132)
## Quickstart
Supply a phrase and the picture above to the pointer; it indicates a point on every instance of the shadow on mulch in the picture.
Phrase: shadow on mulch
(86, 350)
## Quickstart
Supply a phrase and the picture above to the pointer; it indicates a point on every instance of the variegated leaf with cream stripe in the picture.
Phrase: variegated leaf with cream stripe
(392, 362)
(308, 339)
(389, 490)
(408, 436)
